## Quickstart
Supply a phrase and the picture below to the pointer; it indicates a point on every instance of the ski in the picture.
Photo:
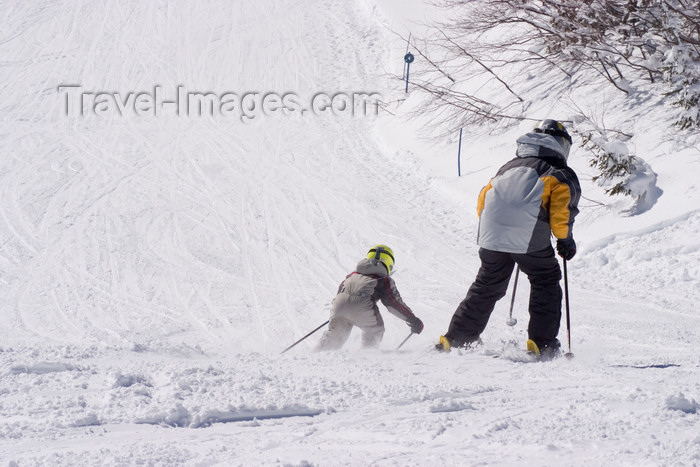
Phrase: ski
(511, 351)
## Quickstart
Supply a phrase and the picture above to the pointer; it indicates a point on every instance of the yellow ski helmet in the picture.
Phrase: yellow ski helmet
(384, 254)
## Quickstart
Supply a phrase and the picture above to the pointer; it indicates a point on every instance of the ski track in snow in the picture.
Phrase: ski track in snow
(151, 269)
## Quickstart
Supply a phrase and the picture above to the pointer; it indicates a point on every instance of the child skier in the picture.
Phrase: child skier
(356, 302)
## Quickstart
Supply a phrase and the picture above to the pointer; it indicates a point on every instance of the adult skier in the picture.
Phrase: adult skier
(531, 197)
(356, 302)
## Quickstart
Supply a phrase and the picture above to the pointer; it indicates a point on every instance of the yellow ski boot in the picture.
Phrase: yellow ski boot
(443, 344)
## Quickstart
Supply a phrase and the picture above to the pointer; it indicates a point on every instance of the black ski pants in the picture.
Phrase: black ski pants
(490, 285)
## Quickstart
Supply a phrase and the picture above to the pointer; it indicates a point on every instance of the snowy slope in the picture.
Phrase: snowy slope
(147, 228)
(153, 267)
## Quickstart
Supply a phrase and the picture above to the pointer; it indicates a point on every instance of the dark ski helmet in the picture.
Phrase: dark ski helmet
(552, 127)
(384, 254)
(556, 129)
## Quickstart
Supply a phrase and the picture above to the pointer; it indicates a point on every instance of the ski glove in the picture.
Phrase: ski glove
(416, 325)
(566, 248)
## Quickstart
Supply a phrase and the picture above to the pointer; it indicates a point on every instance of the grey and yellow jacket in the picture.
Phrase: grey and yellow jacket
(368, 284)
(531, 197)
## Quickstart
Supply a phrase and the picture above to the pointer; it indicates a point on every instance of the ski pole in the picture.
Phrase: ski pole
(512, 321)
(568, 355)
(305, 336)
(404, 341)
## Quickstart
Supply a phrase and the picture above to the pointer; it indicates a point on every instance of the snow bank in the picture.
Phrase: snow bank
(42, 368)
(679, 402)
